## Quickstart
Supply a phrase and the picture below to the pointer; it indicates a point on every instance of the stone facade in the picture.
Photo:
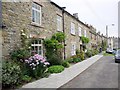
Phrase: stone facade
(93, 37)
(17, 16)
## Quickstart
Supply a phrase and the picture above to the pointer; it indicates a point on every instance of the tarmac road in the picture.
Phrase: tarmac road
(102, 74)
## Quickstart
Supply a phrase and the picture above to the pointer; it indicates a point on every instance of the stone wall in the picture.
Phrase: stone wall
(18, 16)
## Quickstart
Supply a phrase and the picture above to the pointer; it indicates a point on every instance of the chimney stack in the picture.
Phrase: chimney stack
(75, 15)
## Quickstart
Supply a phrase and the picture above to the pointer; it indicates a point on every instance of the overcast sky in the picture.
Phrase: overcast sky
(98, 13)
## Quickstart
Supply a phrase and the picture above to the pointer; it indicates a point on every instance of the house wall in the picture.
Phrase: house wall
(17, 16)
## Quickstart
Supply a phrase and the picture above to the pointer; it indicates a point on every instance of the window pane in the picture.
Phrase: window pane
(59, 23)
(40, 50)
(36, 49)
(36, 42)
(36, 11)
(40, 42)
(33, 15)
(32, 48)
(33, 5)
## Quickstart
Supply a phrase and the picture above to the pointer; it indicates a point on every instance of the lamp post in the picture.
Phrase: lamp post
(107, 33)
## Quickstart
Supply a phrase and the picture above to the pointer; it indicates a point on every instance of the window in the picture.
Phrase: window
(59, 23)
(72, 28)
(79, 31)
(36, 13)
(37, 46)
(85, 33)
(73, 50)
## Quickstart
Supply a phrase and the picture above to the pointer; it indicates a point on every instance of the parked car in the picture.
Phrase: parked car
(114, 51)
(117, 56)
(109, 50)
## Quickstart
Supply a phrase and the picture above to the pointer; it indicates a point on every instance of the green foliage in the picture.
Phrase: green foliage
(70, 60)
(94, 52)
(56, 69)
(26, 78)
(75, 59)
(54, 58)
(52, 44)
(85, 39)
(81, 55)
(36, 73)
(11, 74)
(60, 37)
(88, 53)
(104, 45)
(77, 51)
(54, 48)
(20, 54)
(65, 64)
(107, 54)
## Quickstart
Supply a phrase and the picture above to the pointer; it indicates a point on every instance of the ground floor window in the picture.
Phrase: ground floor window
(37, 46)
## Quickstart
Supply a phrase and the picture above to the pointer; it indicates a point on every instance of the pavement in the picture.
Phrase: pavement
(58, 80)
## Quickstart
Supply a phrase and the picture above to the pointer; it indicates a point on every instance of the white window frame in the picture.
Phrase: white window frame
(59, 23)
(38, 45)
(37, 15)
(73, 49)
(80, 31)
(72, 29)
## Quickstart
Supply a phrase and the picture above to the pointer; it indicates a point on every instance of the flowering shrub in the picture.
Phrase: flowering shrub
(37, 64)
(11, 74)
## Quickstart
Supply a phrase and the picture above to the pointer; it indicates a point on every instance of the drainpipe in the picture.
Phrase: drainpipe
(63, 30)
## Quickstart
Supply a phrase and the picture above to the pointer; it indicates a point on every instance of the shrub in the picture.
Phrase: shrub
(88, 53)
(77, 51)
(94, 52)
(76, 60)
(20, 54)
(54, 59)
(70, 60)
(26, 78)
(11, 74)
(81, 55)
(66, 64)
(55, 69)
(36, 65)
(59, 36)
(84, 39)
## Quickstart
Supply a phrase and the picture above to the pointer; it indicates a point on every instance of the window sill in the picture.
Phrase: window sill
(72, 34)
(37, 25)
(59, 31)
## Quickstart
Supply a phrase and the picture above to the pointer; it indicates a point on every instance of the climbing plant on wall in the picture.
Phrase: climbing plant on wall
(54, 48)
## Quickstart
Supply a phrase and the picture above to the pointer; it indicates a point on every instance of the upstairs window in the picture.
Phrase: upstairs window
(72, 28)
(36, 13)
(59, 23)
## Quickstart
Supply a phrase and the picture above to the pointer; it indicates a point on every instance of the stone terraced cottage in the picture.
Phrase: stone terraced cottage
(41, 19)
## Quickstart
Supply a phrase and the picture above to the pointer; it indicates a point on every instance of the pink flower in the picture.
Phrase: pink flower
(47, 63)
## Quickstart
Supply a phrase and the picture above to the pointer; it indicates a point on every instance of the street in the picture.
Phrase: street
(102, 74)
